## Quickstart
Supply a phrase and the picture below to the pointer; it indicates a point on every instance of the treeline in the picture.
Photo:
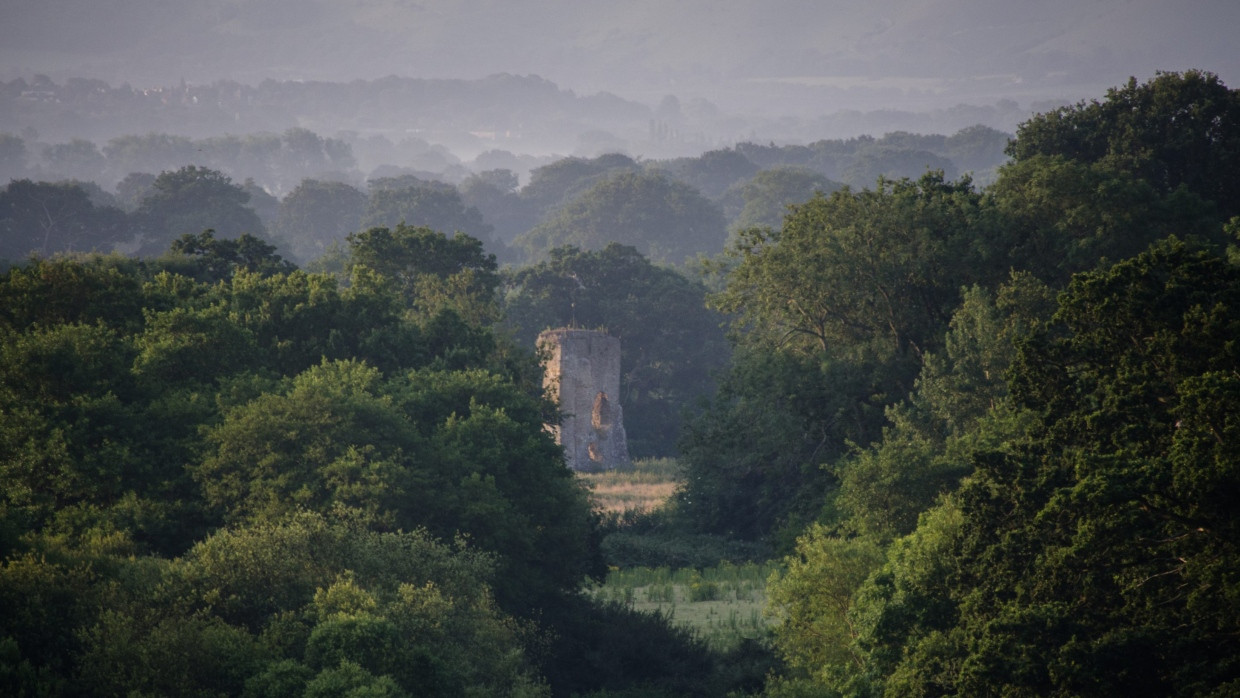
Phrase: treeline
(529, 105)
(526, 114)
(992, 429)
(995, 431)
(77, 197)
(226, 476)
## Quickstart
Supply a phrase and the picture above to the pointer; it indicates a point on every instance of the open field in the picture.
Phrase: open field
(645, 486)
(723, 604)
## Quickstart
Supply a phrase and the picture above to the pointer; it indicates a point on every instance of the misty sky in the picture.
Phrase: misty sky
(756, 56)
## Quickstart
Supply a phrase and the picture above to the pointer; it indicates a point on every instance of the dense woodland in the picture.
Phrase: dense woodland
(271, 441)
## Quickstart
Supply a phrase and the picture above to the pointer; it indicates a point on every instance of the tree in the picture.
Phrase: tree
(153, 152)
(665, 220)
(424, 206)
(1178, 129)
(873, 270)
(892, 162)
(554, 185)
(977, 148)
(318, 214)
(1061, 216)
(958, 407)
(1093, 555)
(212, 259)
(12, 157)
(263, 203)
(432, 271)
(310, 606)
(494, 194)
(450, 452)
(43, 218)
(77, 159)
(713, 172)
(131, 190)
(764, 200)
(191, 200)
(811, 600)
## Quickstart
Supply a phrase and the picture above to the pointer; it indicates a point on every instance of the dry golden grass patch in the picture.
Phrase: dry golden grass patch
(646, 486)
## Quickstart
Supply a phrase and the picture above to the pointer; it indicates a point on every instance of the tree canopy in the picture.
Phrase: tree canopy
(664, 219)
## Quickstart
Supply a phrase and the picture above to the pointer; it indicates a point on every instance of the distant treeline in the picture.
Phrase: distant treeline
(308, 192)
(522, 114)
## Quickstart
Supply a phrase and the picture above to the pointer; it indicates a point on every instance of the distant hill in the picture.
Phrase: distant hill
(772, 57)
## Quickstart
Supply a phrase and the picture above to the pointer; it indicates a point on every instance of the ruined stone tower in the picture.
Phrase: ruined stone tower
(582, 372)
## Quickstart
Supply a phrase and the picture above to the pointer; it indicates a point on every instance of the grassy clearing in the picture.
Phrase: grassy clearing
(723, 604)
(645, 486)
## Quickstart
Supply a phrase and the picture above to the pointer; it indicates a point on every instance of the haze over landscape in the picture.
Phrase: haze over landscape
(906, 332)
(756, 62)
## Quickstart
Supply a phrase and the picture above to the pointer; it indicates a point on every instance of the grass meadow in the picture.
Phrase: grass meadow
(723, 604)
(642, 488)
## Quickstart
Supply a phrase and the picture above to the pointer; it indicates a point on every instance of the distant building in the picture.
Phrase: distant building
(582, 372)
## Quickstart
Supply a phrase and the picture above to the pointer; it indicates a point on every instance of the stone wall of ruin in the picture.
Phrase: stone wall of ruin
(582, 372)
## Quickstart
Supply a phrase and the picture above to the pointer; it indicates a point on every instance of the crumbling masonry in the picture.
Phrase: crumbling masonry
(582, 372)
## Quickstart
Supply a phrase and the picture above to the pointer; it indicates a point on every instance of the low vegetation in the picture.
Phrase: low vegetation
(642, 488)
(723, 605)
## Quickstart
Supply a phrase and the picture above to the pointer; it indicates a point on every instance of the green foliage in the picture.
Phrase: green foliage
(641, 548)
(891, 162)
(1177, 130)
(766, 198)
(307, 605)
(41, 218)
(754, 458)
(664, 219)
(450, 452)
(1085, 555)
(1062, 215)
(711, 173)
(836, 311)
(811, 599)
(1046, 530)
(872, 268)
(554, 185)
(433, 272)
(494, 194)
(424, 206)
(958, 406)
(608, 647)
(215, 260)
(190, 200)
(70, 290)
(318, 214)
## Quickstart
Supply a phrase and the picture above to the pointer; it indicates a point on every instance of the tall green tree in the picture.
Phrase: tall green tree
(835, 313)
(433, 272)
(1060, 215)
(190, 200)
(1094, 556)
(1178, 129)
(764, 200)
(44, 218)
(665, 220)
(424, 206)
(318, 214)
(875, 269)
